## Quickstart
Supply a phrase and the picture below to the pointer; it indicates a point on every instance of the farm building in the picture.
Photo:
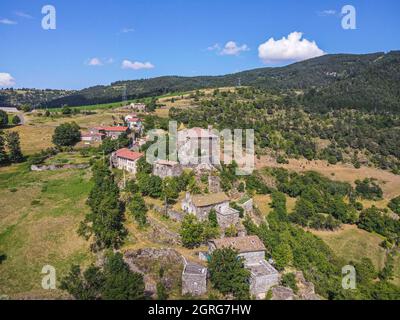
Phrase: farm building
(263, 276)
(165, 168)
(201, 205)
(198, 145)
(194, 280)
(111, 132)
(134, 123)
(92, 137)
(126, 159)
(140, 107)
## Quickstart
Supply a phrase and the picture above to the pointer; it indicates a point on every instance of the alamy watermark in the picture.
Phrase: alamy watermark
(197, 146)
(349, 278)
(49, 280)
(49, 21)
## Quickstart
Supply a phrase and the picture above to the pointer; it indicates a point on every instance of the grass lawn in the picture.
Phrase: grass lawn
(352, 244)
(40, 214)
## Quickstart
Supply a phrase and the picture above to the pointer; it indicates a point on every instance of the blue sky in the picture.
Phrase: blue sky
(178, 37)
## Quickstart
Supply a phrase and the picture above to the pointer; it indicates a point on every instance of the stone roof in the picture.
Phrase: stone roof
(263, 268)
(242, 244)
(192, 268)
(209, 199)
(166, 163)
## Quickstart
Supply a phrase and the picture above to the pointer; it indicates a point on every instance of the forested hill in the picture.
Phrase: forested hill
(369, 81)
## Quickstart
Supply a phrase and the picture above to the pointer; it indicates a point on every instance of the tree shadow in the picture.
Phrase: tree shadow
(3, 257)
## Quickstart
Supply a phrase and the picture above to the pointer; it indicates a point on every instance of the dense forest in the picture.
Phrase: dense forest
(367, 82)
(285, 128)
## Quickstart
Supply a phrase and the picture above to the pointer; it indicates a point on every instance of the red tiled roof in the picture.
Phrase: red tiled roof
(115, 129)
(92, 134)
(128, 154)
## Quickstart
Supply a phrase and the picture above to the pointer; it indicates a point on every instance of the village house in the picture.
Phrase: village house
(194, 280)
(89, 138)
(201, 205)
(263, 276)
(165, 168)
(198, 145)
(140, 107)
(126, 159)
(111, 132)
(134, 123)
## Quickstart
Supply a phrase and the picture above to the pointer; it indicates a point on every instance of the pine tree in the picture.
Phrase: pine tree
(105, 221)
(3, 154)
(138, 209)
(13, 144)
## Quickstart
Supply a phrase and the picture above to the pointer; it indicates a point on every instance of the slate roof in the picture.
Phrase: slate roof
(242, 244)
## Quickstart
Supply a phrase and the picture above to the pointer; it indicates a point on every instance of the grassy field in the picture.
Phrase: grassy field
(40, 214)
(352, 244)
(389, 182)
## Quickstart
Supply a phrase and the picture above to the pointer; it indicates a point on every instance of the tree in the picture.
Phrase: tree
(192, 232)
(3, 154)
(138, 209)
(105, 220)
(212, 218)
(149, 185)
(227, 273)
(282, 255)
(394, 205)
(143, 166)
(162, 293)
(289, 280)
(14, 148)
(83, 286)
(170, 189)
(67, 134)
(114, 281)
(120, 283)
(16, 120)
(3, 118)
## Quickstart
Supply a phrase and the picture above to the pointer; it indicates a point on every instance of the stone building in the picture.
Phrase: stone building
(201, 205)
(165, 168)
(126, 159)
(198, 145)
(194, 280)
(263, 276)
(246, 203)
(111, 132)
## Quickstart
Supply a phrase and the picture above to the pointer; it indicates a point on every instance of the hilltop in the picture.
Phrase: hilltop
(367, 82)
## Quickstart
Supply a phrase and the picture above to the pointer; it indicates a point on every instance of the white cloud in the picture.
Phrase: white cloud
(23, 15)
(329, 12)
(95, 62)
(232, 49)
(136, 65)
(292, 48)
(7, 21)
(6, 80)
(215, 47)
(127, 30)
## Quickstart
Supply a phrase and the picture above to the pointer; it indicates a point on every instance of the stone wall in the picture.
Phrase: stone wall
(54, 167)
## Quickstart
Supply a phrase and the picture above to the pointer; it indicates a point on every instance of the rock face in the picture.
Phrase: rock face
(306, 289)
(149, 262)
(162, 235)
(282, 293)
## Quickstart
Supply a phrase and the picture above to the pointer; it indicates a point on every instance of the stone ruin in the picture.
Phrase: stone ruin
(194, 280)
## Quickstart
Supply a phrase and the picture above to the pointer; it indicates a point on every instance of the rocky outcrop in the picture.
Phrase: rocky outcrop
(149, 261)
